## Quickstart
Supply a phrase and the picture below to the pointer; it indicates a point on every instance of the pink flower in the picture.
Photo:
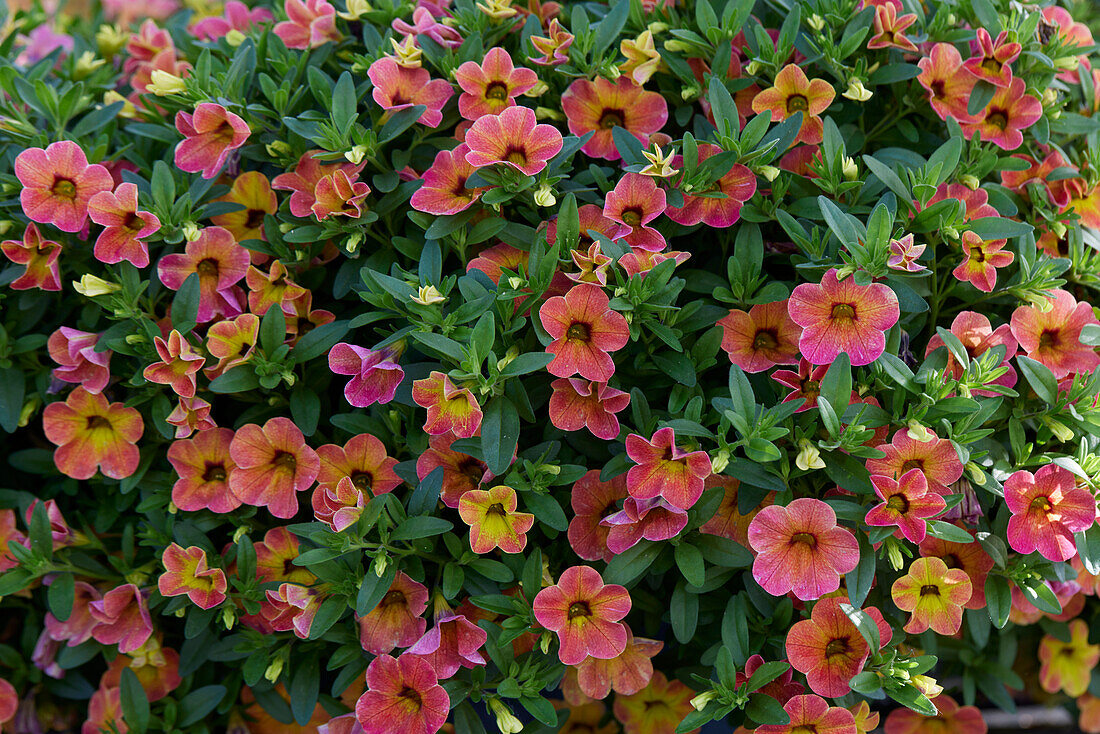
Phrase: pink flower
(190, 415)
(1054, 337)
(273, 465)
(424, 24)
(398, 87)
(453, 642)
(762, 338)
(203, 466)
(311, 23)
(936, 458)
(904, 254)
(209, 136)
(237, 17)
(906, 503)
(396, 621)
(492, 86)
(584, 330)
(39, 258)
(982, 258)
(177, 366)
(339, 194)
(304, 179)
(738, 186)
(600, 106)
(812, 714)
(514, 139)
(78, 628)
(403, 697)
(186, 572)
(1010, 112)
(828, 647)
(451, 409)
(585, 614)
(91, 434)
(124, 226)
(220, 263)
(978, 336)
(592, 501)
(636, 201)
(991, 60)
(80, 363)
(58, 183)
(843, 317)
(444, 190)
(578, 403)
(652, 519)
(1047, 509)
(122, 618)
(665, 470)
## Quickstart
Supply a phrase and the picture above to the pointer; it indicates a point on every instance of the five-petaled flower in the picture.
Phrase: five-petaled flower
(219, 262)
(1067, 666)
(934, 595)
(600, 106)
(906, 502)
(577, 403)
(58, 183)
(665, 470)
(492, 86)
(794, 92)
(935, 457)
(809, 713)
(512, 138)
(91, 433)
(210, 134)
(1047, 509)
(273, 464)
(493, 520)
(981, 260)
(842, 316)
(397, 620)
(124, 226)
(1053, 337)
(584, 329)
(762, 338)
(203, 465)
(186, 572)
(403, 697)
(585, 613)
(177, 366)
(451, 409)
(829, 648)
(39, 258)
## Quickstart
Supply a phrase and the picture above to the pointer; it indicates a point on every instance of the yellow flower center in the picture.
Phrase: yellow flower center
(1049, 338)
(578, 332)
(579, 609)
(804, 538)
(1041, 504)
(214, 473)
(765, 339)
(844, 311)
(64, 188)
(898, 503)
(632, 217)
(997, 119)
(361, 480)
(207, 267)
(612, 118)
(797, 103)
(497, 91)
(516, 155)
(285, 460)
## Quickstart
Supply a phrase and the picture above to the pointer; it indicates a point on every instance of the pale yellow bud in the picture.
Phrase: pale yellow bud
(1061, 431)
(427, 295)
(926, 685)
(808, 456)
(506, 720)
(86, 64)
(110, 39)
(544, 195)
(769, 172)
(164, 84)
(128, 110)
(274, 670)
(191, 231)
(700, 702)
(547, 113)
(235, 38)
(688, 93)
(278, 149)
(538, 90)
(720, 461)
(356, 9)
(658, 27)
(356, 154)
(229, 617)
(918, 432)
(676, 46)
(752, 68)
(353, 242)
(90, 286)
(29, 409)
(856, 91)
(816, 22)
(970, 181)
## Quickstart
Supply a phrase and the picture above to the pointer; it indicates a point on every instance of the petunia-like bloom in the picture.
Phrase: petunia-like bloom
(904, 254)
(339, 194)
(91, 433)
(80, 362)
(58, 183)
(652, 519)
(591, 265)
(237, 17)
(220, 263)
(398, 87)
(375, 373)
(122, 618)
(978, 336)
(600, 106)
(186, 572)
(190, 415)
(61, 534)
(950, 717)
(728, 522)
(125, 226)
(1047, 509)
(461, 472)
(156, 669)
(907, 503)
(991, 60)
(1088, 720)
(292, 607)
(982, 258)
(782, 689)
(451, 409)
(800, 548)
(210, 134)
(514, 139)
(39, 258)
(762, 338)
(643, 60)
(204, 466)
(1067, 666)
(232, 342)
(937, 458)
(275, 556)
(425, 24)
(636, 201)
(105, 712)
(842, 316)
(77, 629)
(252, 191)
(273, 288)
(970, 557)
(1011, 111)
(947, 83)
(592, 500)
(584, 329)
(810, 713)
(397, 620)
(9, 534)
(492, 86)
(554, 47)
(665, 470)
(444, 190)
(303, 180)
(338, 506)
(403, 697)
(934, 595)
(794, 92)
(890, 29)
(1054, 337)
(453, 642)
(626, 674)
(577, 403)
(177, 366)
(311, 23)
(273, 465)
(738, 185)
(585, 614)
(805, 384)
(656, 709)
(363, 461)
(1059, 192)
(828, 647)
(493, 520)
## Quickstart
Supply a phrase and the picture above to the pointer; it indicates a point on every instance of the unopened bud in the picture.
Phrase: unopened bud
(676, 46)
(970, 181)
(239, 533)
(808, 456)
(506, 720)
(356, 154)
(926, 685)
(849, 169)
(164, 84)
(719, 461)
(229, 617)
(427, 295)
(380, 563)
(856, 91)
(90, 286)
(191, 231)
(235, 38)
(538, 90)
(752, 68)
(689, 92)
(893, 554)
(770, 173)
(546, 113)
(700, 702)
(274, 670)
(976, 474)
(544, 195)
(816, 22)
(29, 409)
(919, 432)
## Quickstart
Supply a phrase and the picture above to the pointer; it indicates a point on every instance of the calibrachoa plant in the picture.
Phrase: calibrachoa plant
(478, 365)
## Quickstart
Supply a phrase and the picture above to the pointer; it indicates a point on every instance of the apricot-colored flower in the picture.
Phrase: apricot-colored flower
(636, 201)
(584, 329)
(105, 712)
(762, 338)
(600, 106)
(514, 139)
(991, 59)
(842, 316)
(451, 409)
(79, 359)
(950, 718)
(1054, 337)
(204, 467)
(937, 458)
(461, 472)
(425, 24)
(970, 557)
(728, 521)
(39, 258)
(805, 384)
(1059, 191)
(125, 226)
(273, 288)
(665, 470)
(363, 461)
(656, 709)
(652, 519)
(57, 184)
(186, 572)
(866, 721)
(177, 366)
(738, 186)
(210, 134)
(275, 556)
(375, 373)
(828, 647)
(9, 534)
(890, 29)
(1067, 666)
(338, 506)
(453, 642)
(554, 46)
(812, 714)
(397, 620)
(232, 342)
(91, 433)
(309, 24)
(794, 92)
(978, 336)
(577, 403)
(190, 415)
(906, 502)
(444, 190)
(982, 258)
(492, 86)
(1088, 720)
(156, 668)
(292, 607)
(585, 614)
(1008, 114)
(1047, 509)
(220, 263)
(303, 180)
(800, 548)
(493, 520)
(934, 595)
(122, 618)
(273, 465)
(398, 87)
(252, 191)
(947, 83)
(592, 500)
(403, 697)
(626, 674)
(77, 629)
(237, 17)
(339, 194)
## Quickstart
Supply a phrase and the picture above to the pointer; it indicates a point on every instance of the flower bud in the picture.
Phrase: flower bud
(506, 720)
(546, 113)
(816, 22)
(752, 68)
(356, 9)
(544, 195)
(719, 461)
(893, 554)
(1060, 430)
(235, 38)
(90, 286)
(239, 533)
(677, 46)
(191, 231)
(808, 456)
(849, 169)
(352, 243)
(690, 92)
(278, 149)
(164, 84)
(356, 154)
(29, 409)
(86, 64)
(380, 563)
(128, 110)
(918, 432)
(926, 685)
(770, 173)
(976, 474)
(538, 90)
(427, 295)
(856, 91)
(229, 617)
(110, 39)
(970, 181)
(700, 702)
(274, 670)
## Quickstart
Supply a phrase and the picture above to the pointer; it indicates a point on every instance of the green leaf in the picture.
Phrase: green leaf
(836, 386)
(499, 434)
(318, 341)
(440, 344)
(910, 697)
(1041, 379)
(1041, 596)
(237, 379)
(683, 612)
(980, 97)
(723, 551)
(610, 27)
(60, 596)
(947, 531)
(305, 688)
(546, 510)
(861, 579)
(525, 363)
(999, 228)
(689, 560)
(744, 402)
(1088, 545)
(763, 709)
(12, 391)
(424, 498)
(344, 103)
(135, 704)
(373, 588)
(766, 673)
(420, 527)
(272, 329)
(185, 304)
(41, 536)
(631, 563)
(305, 409)
(568, 224)
(200, 702)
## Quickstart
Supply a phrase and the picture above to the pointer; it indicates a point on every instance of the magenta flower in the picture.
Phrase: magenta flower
(665, 470)
(514, 139)
(653, 519)
(636, 201)
(177, 366)
(578, 403)
(444, 190)
(585, 614)
(398, 87)
(738, 186)
(375, 373)
(38, 256)
(584, 329)
(80, 363)
(991, 60)
(311, 23)
(124, 226)
(122, 618)
(220, 263)
(424, 24)
(907, 503)
(453, 642)
(843, 316)
(403, 697)
(210, 134)
(58, 183)
(600, 106)
(1047, 509)
(491, 87)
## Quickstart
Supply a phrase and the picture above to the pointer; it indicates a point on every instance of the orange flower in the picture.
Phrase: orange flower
(186, 572)
(91, 433)
(1067, 666)
(493, 520)
(794, 92)
(252, 191)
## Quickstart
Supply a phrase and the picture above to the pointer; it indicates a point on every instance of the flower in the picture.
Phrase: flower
(800, 548)
(425, 25)
(311, 23)
(1047, 509)
(636, 201)
(978, 336)
(663, 469)
(220, 263)
(232, 342)
(947, 83)
(982, 258)
(781, 688)
(304, 179)
(77, 629)
(39, 256)
(450, 409)
(375, 373)
(203, 465)
(273, 465)
(362, 461)
(124, 226)
(493, 520)
(338, 506)
(122, 618)
(1089, 718)
(937, 458)
(934, 595)
(492, 86)
(190, 415)
(738, 186)
(794, 92)
(1053, 337)
(904, 254)
(970, 557)
(653, 519)
(210, 134)
(453, 642)
(396, 621)
(812, 714)
(514, 139)
(105, 712)
(805, 383)
(906, 502)
(554, 47)
(829, 648)
(292, 607)
(461, 472)
(275, 556)
(398, 87)
(592, 500)
(991, 60)
(155, 667)
(865, 720)
(1010, 112)
(57, 184)
(600, 106)
(252, 191)
(339, 194)
(186, 572)
(9, 534)
(762, 338)
(577, 403)
(890, 29)
(584, 330)
(627, 674)
(91, 433)
(585, 614)
(728, 521)
(444, 190)
(1067, 666)
(81, 363)
(177, 366)
(950, 717)
(643, 60)
(843, 316)
(403, 697)
(237, 17)
(656, 709)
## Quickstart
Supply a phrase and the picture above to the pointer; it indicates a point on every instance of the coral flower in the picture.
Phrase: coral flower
(762, 338)
(493, 520)
(1059, 191)
(124, 226)
(934, 594)
(992, 58)
(1010, 112)
(232, 342)
(591, 265)
(220, 263)
(794, 92)
(592, 500)
(311, 23)
(978, 336)
(643, 60)
(273, 465)
(584, 330)
(122, 618)
(91, 433)
(636, 201)
(493, 261)
(80, 362)
(970, 557)
(398, 87)
(738, 186)
(396, 621)
(890, 29)
(950, 718)
(339, 194)
(204, 466)
(1054, 337)
(947, 83)
(338, 506)
(805, 384)
(275, 556)
(665, 470)
(652, 519)
(585, 614)
(728, 521)
(626, 674)
(982, 258)
(866, 721)
(828, 647)
(800, 548)
(444, 190)
(843, 316)
(210, 135)
(812, 714)
(450, 408)
(186, 572)
(1047, 509)
(577, 403)
(403, 697)
(1088, 720)
(656, 709)
(9, 534)
(554, 47)
(907, 503)
(177, 366)
(156, 668)
(424, 24)
(58, 183)
(305, 177)
(252, 191)
(237, 17)
(105, 712)
(461, 472)
(363, 461)
(492, 86)
(937, 458)
(904, 254)
(782, 689)
(190, 415)
(77, 629)
(1067, 666)
(39, 258)
(514, 139)
(600, 106)
(453, 642)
